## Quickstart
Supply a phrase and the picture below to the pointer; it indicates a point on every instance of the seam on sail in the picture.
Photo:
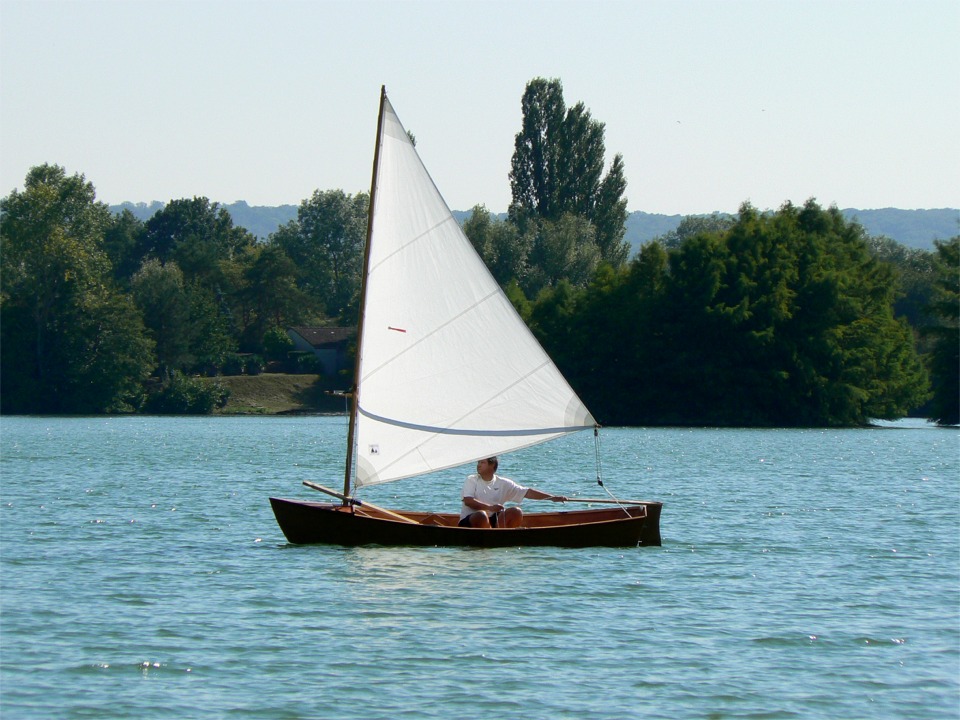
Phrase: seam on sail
(494, 293)
(411, 242)
(546, 363)
(434, 431)
(478, 433)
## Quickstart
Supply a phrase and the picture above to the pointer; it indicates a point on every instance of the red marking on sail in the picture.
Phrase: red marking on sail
(396, 329)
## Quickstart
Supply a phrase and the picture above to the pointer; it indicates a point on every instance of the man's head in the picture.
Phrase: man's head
(487, 466)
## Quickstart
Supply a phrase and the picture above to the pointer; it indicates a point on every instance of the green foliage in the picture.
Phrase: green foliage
(783, 319)
(325, 243)
(557, 169)
(610, 215)
(276, 343)
(212, 329)
(694, 225)
(116, 354)
(69, 340)
(304, 362)
(232, 365)
(121, 243)
(563, 250)
(786, 318)
(518, 299)
(944, 359)
(253, 365)
(235, 364)
(199, 236)
(915, 271)
(160, 294)
(185, 395)
(200, 289)
(504, 250)
(535, 175)
(268, 293)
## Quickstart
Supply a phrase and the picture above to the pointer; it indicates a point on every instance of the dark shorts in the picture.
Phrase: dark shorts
(465, 522)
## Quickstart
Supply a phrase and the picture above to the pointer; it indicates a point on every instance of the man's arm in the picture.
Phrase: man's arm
(474, 504)
(539, 495)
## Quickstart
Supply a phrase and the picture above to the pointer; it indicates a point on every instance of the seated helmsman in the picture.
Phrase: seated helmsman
(485, 494)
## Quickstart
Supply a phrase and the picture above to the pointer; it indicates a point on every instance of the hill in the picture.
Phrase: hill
(276, 394)
(260, 220)
(913, 228)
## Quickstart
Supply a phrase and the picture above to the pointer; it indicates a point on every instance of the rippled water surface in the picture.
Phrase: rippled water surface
(804, 573)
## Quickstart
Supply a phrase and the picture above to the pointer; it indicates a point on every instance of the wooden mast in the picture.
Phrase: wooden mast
(355, 403)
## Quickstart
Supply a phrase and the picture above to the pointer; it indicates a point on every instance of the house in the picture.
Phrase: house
(328, 344)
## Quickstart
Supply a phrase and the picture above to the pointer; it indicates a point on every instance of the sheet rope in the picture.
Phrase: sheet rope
(596, 446)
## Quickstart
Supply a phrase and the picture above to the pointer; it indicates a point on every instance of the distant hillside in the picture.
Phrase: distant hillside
(260, 220)
(913, 228)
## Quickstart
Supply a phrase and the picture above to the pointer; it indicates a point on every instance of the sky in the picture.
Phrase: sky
(711, 103)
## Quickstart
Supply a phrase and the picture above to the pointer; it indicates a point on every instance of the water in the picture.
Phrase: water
(804, 574)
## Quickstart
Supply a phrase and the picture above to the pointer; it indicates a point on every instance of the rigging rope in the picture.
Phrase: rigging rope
(596, 445)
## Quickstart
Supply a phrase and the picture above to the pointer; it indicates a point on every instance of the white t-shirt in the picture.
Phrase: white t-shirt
(499, 491)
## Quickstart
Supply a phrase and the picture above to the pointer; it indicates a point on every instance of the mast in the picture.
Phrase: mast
(355, 395)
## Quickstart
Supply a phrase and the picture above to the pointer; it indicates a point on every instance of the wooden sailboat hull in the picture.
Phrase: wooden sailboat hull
(304, 522)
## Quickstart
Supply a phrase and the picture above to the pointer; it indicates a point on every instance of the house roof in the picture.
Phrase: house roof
(320, 337)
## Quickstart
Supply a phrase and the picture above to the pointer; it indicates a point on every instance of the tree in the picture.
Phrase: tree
(944, 358)
(270, 294)
(694, 224)
(536, 166)
(63, 324)
(564, 249)
(117, 355)
(915, 270)
(557, 169)
(784, 319)
(199, 236)
(610, 215)
(121, 242)
(213, 335)
(503, 249)
(791, 315)
(159, 292)
(325, 243)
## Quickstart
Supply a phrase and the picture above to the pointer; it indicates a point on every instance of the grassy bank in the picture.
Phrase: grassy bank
(277, 394)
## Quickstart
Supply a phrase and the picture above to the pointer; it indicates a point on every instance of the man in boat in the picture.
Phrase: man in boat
(485, 493)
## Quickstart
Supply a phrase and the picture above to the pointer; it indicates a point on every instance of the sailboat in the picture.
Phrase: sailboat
(446, 373)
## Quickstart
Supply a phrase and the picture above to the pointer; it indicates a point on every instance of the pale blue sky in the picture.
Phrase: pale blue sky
(710, 102)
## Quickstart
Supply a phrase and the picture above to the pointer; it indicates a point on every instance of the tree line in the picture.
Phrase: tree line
(787, 318)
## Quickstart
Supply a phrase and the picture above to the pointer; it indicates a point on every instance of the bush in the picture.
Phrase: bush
(253, 365)
(276, 343)
(304, 363)
(187, 396)
(233, 365)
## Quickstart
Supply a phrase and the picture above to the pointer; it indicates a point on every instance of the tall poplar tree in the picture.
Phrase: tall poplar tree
(557, 169)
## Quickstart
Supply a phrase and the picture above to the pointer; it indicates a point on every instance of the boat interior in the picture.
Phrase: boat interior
(530, 520)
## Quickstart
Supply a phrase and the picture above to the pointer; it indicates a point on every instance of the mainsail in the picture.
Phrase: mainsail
(447, 370)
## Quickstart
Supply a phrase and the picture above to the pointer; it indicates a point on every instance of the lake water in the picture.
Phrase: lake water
(804, 574)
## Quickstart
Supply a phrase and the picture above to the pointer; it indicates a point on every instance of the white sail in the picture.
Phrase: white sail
(448, 372)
